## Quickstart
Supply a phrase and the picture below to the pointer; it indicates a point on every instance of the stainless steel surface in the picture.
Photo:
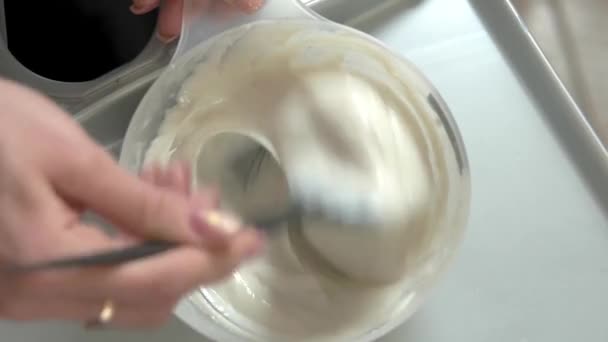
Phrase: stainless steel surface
(548, 92)
(534, 264)
(572, 35)
(75, 96)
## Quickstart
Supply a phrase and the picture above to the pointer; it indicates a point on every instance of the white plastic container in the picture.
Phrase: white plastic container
(204, 34)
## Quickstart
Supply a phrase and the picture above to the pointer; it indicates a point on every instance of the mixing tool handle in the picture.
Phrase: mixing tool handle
(127, 254)
(109, 258)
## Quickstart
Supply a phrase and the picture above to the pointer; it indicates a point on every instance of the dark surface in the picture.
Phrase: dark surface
(75, 40)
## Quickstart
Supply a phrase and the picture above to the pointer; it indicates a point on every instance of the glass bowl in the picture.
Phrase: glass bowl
(203, 310)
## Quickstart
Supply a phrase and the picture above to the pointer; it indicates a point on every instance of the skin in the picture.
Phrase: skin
(170, 16)
(51, 171)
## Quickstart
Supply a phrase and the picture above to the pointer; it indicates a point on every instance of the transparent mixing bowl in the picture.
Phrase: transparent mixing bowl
(200, 309)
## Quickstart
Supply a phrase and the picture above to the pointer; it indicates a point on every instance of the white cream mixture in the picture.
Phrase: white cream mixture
(332, 113)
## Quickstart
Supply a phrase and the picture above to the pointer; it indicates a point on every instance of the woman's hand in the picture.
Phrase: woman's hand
(170, 17)
(50, 172)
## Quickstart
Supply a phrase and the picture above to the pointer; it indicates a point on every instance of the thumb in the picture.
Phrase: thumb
(144, 209)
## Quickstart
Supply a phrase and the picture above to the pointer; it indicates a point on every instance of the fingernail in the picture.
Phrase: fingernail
(143, 6)
(165, 39)
(248, 6)
(212, 222)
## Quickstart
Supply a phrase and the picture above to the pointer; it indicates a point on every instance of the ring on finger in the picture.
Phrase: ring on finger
(105, 315)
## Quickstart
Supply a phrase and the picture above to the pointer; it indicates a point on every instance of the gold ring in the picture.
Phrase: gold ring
(107, 312)
(105, 315)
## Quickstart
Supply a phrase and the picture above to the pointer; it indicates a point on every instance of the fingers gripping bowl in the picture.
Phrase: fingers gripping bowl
(242, 81)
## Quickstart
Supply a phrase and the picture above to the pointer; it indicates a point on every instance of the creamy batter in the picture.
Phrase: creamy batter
(333, 114)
